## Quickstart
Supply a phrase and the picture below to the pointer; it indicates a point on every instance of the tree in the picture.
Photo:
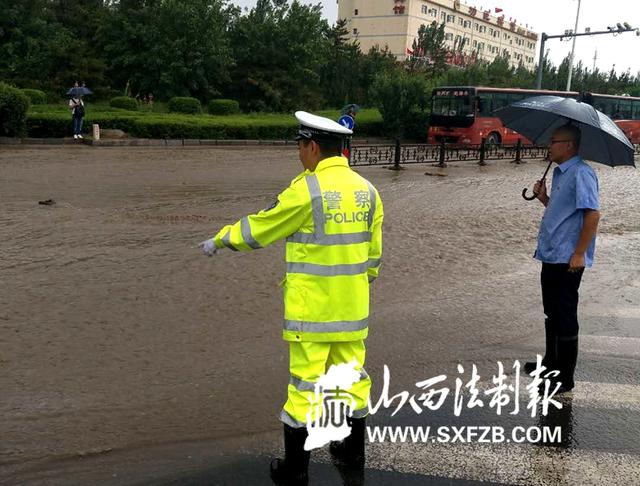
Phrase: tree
(279, 50)
(339, 77)
(500, 72)
(429, 51)
(396, 95)
(374, 63)
(170, 47)
(33, 45)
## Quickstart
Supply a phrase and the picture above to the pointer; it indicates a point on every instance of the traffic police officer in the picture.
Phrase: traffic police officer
(331, 218)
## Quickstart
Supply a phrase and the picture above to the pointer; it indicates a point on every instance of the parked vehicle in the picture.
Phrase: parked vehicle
(464, 114)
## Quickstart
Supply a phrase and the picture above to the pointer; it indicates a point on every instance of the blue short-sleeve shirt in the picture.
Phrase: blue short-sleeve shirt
(574, 189)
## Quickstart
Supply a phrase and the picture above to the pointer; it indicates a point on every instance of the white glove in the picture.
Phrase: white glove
(208, 247)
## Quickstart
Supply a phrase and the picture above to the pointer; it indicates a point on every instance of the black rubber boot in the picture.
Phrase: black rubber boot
(293, 470)
(566, 364)
(350, 452)
(550, 353)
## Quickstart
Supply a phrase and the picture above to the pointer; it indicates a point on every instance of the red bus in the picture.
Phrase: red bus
(464, 114)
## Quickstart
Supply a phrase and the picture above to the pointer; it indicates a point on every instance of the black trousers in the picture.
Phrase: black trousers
(560, 299)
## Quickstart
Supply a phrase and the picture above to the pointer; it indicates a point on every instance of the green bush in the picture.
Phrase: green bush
(13, 111)
(102, 93)
(54, 121)
(124, 102)
(417, 124)
(36, 97)
(224, 107)
(184, 104)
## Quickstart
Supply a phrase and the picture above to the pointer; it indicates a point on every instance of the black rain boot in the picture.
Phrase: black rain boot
(350, 452)
(293, 470)
(550, 353)
(566, 364)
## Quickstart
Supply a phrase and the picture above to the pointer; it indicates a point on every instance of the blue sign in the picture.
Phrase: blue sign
(347, 121)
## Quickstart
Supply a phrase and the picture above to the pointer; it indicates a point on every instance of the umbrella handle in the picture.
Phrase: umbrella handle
(528, 198)
(524, 191)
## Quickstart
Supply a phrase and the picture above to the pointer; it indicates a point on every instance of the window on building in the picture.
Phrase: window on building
(467, 24)
(443, 15)
(425, 9)
(460, 21)
(355, 12)
(451, 18)
(448, 36)
(355, 31)
(475, 43)
(433, 12)
(476, 25)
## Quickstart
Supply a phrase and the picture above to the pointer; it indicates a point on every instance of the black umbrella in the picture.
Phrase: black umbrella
(538, 117)
(79, 90)
(350, 107)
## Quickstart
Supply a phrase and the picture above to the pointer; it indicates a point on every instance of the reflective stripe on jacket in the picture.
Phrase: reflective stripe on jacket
(332, 221)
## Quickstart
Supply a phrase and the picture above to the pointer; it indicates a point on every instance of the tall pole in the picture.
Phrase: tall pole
(543, 38)
(573, 48)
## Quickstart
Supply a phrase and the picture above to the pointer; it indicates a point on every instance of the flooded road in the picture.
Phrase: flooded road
(119, 340)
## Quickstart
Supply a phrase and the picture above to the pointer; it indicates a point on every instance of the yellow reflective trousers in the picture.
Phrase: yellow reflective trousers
(307, 362)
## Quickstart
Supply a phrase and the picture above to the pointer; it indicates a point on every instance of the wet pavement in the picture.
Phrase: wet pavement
(128, 358)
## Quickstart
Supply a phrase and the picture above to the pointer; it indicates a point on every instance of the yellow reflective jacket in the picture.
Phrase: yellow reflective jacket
(332, 221)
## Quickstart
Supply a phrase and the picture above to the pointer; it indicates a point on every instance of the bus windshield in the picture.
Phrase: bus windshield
(452, 107)
(452, 102)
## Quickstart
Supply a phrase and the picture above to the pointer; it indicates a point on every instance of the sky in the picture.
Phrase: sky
(554, 17)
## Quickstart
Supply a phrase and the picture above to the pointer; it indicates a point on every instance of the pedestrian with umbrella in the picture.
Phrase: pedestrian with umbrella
(574, 131)
(76, 105)
(348, 120)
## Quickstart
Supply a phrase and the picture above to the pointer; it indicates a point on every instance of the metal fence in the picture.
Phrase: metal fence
(440, 154)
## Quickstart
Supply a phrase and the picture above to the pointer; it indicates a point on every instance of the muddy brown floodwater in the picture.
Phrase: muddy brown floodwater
(117, 334)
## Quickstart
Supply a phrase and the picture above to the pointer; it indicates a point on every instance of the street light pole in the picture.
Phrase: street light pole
(544, 37)
(573, 48)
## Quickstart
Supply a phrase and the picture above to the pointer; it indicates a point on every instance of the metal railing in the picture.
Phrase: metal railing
(442, 153)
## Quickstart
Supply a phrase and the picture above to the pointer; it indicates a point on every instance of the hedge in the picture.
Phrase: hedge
(36, 97)
(124, 102)
(417, 126)
(184, 104)
(58, 125)
(151, 125)
(13, 111)
(224, 107)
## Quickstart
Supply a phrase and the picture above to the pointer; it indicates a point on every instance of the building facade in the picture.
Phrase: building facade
(395, 23)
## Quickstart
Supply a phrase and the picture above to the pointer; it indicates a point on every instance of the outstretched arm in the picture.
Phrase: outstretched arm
(269, 225)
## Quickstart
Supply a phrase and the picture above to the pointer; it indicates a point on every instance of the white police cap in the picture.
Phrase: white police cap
(318, 127)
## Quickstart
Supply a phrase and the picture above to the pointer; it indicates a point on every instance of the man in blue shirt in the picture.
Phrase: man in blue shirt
(566, 244)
